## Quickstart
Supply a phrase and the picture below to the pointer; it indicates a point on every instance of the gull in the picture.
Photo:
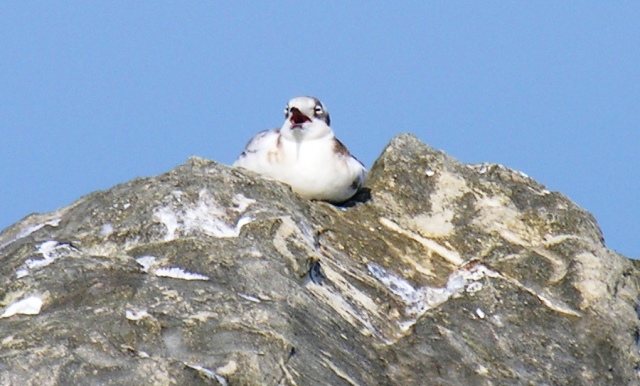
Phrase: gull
(305, 154)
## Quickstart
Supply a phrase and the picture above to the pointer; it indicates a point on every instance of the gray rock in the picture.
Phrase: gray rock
(437, 273)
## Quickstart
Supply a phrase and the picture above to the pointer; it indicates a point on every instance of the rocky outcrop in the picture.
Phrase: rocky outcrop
(437, 273)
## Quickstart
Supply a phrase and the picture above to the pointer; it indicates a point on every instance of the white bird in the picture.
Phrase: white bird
(305, 154)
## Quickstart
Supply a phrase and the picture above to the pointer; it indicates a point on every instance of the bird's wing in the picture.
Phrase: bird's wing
(258, 148)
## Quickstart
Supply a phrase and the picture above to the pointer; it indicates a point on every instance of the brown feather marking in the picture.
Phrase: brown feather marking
(356, 183)
(273, 156)
(340, 148)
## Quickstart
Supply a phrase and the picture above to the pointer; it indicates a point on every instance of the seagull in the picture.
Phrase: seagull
(305, 154)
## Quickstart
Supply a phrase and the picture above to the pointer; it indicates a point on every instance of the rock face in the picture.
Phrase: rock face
(439, 273)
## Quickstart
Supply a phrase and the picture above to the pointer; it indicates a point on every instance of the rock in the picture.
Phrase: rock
(437, 273)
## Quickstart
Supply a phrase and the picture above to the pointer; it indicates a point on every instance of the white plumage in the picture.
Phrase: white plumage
(305, 154)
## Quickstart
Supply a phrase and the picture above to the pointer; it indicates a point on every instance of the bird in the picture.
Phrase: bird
(305, 154)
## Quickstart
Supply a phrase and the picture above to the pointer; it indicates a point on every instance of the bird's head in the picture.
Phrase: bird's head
(305, 118)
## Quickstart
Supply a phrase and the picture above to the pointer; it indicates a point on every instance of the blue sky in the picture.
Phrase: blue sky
(93, 94)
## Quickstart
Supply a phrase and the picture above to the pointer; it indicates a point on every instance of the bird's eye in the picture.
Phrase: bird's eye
(318, 110)
(286, 110)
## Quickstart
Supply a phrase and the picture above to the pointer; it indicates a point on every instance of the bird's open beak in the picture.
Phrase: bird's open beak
(297, 118)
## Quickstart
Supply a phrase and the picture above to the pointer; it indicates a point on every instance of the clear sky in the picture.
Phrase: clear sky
(93, 94)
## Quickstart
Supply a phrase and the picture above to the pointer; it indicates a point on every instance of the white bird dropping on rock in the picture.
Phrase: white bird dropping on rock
(27, 306)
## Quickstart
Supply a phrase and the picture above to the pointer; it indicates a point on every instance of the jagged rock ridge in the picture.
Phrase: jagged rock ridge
(438, 273)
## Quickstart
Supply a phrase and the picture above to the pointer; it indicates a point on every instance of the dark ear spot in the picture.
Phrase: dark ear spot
(325, 115)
